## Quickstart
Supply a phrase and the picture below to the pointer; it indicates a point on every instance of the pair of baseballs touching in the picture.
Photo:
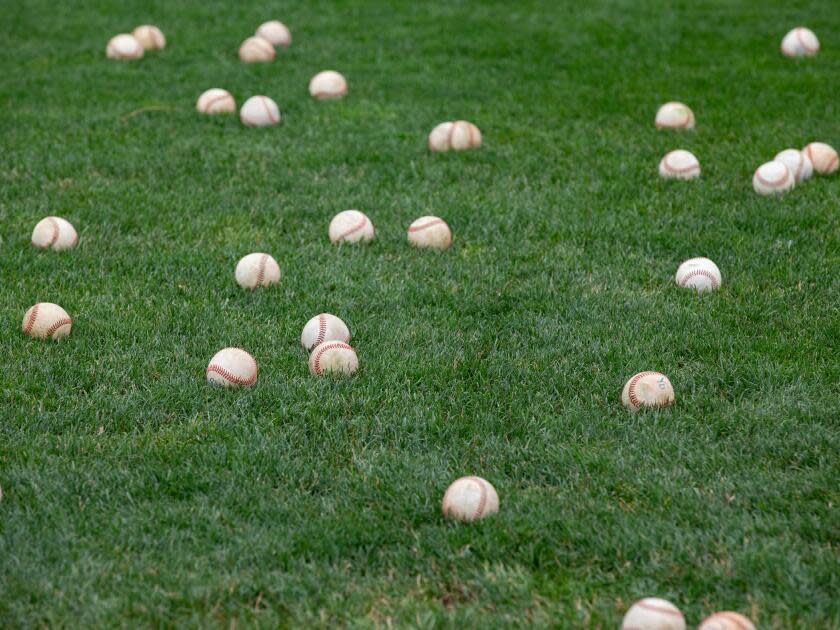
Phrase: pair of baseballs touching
(654, 613)
(257, 111)
(353, 226)
(459, 135)
(792, 166)
(126, 46)
(260, 47)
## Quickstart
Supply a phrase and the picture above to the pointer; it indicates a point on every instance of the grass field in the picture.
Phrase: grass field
(137, 495)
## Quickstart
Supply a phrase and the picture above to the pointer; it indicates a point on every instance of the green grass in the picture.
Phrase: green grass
(315, 502)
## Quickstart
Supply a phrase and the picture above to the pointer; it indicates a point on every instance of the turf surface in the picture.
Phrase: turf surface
(136, 494)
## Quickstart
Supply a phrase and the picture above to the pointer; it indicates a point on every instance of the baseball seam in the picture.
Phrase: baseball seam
(259, 44)
(631, 390)
(449, 135)
(682, 125)
(362, 223)
(770, 184)
(208, 107)
(699, 272)
(320, 350)
(322, 329)
(679, 171)
(733, 619)
(218, 369)
(268, 111)
(831, 163)
(56, 231)
(27, 327)
(482, 498)
(261, 269)
(64, 321)
(805, 46)
(661, 609)
(418, 228)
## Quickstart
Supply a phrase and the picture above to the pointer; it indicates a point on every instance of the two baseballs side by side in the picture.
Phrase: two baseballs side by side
(458, 135)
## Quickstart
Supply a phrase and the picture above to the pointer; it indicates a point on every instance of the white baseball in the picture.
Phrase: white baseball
(351, 226)
(470, 499)
(822, 156)
(231, 367)
(333, 357)
(475, 136)
(675, 116)
(257, 270)
(800, 42)
(259, 111)
(54, 233)
(647, 389)
(653, 613)
(321, 328)
(797, 162)
(275, 32)
(124, 46)
(150, 37)
(215, 101)
(430, 232)
(726, 620)
(773, 178)
(256, 49)
(700, 274)
(679, 164)
(460, 136)
(328, 84)
(47, 321)
(439, 137)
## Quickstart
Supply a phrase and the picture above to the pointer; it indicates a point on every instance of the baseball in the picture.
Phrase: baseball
(430, 232)
(351, 226)
(256, 49)
(259, 111)
(124, 46)
(700, 274)
(800, 42)
(321, 328)
(150, 37)
(47, 321)
(674, 116)
(679, 164)
(231, 367)
(215, 101)
(470, 499)
(328, 84)
(475, 136)
(797, 162)
(275, 33)
(726, 621)
(257, 270)
(459, 136)
(333, 357)
(647, 389)
(652, 613)
(822, 156)
(439, 137)
(54, 233)
(773, 178)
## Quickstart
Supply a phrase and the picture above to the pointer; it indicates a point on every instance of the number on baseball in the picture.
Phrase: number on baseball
(822, 156)
(797, 162)
(679, 164)
(54, 233)
(726, 620)
(321, 328)
(259, 111)
(674, 116)
(700, 274)
(772, 178)
(256, 50)
(351, 226)
(124, 46)
(653, 613)
(215, 101)
(430, 232)
(328, 84)
(257, 270)
(333, 357)
(800, 42)
(275, 33)
(47, 321)
(232, 367)
(647, 389)
(150, 37)
(470, 499)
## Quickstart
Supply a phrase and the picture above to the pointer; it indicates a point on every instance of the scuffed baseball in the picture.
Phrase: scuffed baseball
(215, 101)
(822, 156)
(124, 46)
(800, 42)
(726, 620)
(679, 164)
(470, 499)
(333, 357)
(430, 232)
(675, 115)
(259, 111)
(647, 389)
(232, 367)
(275, 32)
(797, 162)
(321, 328)
(653, 613)
(150, 37)
(257, 270)
(772, 178)
(54, 233)
(328, 84)
(47, 321)
(256, 50)
(351, 226)
(700, 274)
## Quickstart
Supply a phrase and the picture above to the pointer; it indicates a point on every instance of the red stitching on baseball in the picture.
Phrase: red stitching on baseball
(806, 47)
(831, 164)
(218, 369)
(685, 169)
(482, 498)
(55, 230)
(322, 329)
(261, 269)
(662, 609)
(432, 223)
(31, 321)
(60, 323)
(729, 617)
(353, 229)
(449, 135)
(320, 350)
(631, 390)
(263, 100)
(769, 183)
(209, 105)
(699, 272)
